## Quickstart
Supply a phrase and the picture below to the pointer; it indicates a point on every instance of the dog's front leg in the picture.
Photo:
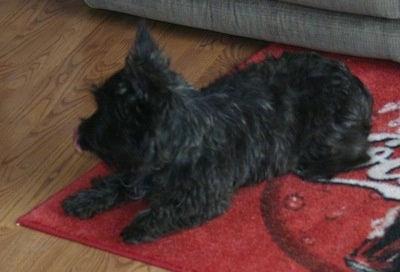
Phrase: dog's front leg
(173, 211)
(104, 194)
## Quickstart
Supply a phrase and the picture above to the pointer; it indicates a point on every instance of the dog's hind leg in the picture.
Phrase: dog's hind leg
(337, 154)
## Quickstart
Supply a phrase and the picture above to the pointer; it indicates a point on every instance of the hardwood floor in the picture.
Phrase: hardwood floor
(51, 51)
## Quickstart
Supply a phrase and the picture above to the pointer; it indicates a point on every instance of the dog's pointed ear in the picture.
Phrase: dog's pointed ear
(145, 52)
(144, 42)
(148, 71)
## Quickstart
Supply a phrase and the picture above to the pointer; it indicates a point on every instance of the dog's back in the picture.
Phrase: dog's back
(307, 114)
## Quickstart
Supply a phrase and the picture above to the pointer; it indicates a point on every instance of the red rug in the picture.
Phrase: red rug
(282, 225)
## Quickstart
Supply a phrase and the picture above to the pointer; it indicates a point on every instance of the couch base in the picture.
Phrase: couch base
(274, 21)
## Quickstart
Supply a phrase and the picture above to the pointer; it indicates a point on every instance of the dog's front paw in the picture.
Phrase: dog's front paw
(140, 230)
(86, 204)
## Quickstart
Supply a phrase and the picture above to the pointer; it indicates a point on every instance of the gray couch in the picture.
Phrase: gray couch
(368, 28)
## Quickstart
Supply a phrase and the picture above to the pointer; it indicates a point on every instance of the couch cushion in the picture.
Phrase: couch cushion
(274, 21)
(379, 8)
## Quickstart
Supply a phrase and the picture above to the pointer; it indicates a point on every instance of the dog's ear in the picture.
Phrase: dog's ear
(146, 67)
(148, 70)
(145, 54)
(144, 45)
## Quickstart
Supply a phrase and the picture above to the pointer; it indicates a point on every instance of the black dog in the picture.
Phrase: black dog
(188, 150)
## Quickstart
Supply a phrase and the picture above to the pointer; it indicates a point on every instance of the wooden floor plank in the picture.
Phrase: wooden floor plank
(51, 52)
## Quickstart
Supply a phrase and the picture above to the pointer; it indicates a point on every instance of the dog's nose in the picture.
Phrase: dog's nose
(75, 138)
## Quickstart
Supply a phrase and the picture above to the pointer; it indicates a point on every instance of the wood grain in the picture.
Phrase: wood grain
(51, 52)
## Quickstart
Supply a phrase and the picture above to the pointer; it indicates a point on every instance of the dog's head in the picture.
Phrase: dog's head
(130, 104)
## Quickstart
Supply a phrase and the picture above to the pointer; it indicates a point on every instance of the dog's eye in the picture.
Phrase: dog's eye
(122, 89)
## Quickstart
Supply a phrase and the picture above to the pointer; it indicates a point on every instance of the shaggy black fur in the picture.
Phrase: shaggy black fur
(187, 151)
